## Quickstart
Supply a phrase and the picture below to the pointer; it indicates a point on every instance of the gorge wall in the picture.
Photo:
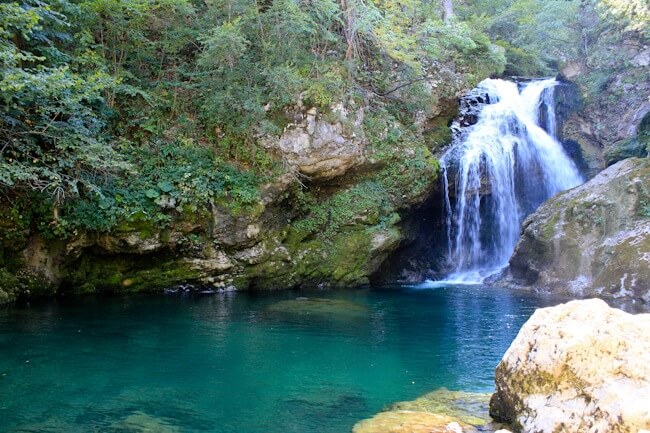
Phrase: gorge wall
(330, 220)
(612, 74)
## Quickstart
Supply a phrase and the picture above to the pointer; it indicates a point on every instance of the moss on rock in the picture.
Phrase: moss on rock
(633, 147)
(593, 240)
(23, 282)
(127, 274)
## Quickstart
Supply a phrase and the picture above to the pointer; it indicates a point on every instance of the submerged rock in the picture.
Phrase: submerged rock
(140, 422)
(593, 240)
(579, 367)
(320, 307)
(467, 407)
(409, 421)
(440, 411)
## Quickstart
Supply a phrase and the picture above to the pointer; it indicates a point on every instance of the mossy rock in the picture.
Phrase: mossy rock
(467, 407)
(126, 274)
(592, 240)
(438, 134)
(23, 283)
(634, 147)
(409, 421)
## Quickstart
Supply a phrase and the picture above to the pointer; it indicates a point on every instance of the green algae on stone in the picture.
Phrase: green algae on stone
(344, 259)
(440, 411)
(468, 407)
(127, 274)
(409, 421)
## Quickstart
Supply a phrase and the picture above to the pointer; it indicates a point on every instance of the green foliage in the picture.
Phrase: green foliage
(610, 33)
(632, 15)
(258, 61)
(536, 34)
(51, 126)
(521, 62)
(172, 180)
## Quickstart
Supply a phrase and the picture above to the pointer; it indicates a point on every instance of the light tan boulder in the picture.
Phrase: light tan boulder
(409, 421)
(578, 367)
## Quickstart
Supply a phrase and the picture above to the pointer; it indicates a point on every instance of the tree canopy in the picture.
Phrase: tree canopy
(112, 108)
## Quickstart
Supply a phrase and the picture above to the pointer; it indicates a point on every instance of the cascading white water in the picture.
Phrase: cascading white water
(504, 167)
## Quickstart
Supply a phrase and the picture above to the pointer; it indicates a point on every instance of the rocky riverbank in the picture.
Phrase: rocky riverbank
(329, 220)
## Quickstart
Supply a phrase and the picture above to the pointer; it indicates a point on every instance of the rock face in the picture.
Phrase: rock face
(614, 79)
(320, 149)
(593, 240)
(579, 367)
(329, 217)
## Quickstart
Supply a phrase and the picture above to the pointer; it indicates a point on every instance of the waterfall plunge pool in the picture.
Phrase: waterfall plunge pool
(276, 362)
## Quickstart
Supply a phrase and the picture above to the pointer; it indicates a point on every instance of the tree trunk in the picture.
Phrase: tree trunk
(349, 30)
(447, 10)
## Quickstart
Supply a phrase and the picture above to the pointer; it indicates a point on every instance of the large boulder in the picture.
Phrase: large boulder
(591, 241)
(578, 367)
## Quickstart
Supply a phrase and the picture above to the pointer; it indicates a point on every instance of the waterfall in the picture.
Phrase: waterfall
(499, 170)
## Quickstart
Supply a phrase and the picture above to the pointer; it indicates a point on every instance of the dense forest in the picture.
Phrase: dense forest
(107, 105)
(131, 111)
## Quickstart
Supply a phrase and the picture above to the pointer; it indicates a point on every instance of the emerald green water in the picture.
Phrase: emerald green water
(243, 362)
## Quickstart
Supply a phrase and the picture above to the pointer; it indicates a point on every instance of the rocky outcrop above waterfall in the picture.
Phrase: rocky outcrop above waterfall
(321, 149)
(593, 240)
(613, 74)
(575, 368)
